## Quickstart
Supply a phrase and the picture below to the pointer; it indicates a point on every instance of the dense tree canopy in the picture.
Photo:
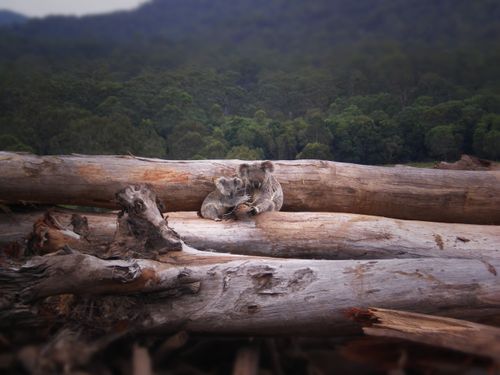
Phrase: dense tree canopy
(375, 82)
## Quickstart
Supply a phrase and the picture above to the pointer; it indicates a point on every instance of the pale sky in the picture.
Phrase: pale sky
(40, 8)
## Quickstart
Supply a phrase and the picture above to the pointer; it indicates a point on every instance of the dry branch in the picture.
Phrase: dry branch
(247, 361)
(308, 185)
(229, 294)
(297, 235)
(438, 331)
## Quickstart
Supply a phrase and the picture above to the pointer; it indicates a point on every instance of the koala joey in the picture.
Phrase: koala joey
(229, 193)
(264, 189)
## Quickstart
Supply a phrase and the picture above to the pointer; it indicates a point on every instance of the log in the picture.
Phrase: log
(298, 235)
(467, 337)
(308, 185)
(230, 294)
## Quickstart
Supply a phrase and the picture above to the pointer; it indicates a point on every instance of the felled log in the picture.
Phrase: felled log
(296, 235)
(432, 330)
(308, 185)
(229, 294)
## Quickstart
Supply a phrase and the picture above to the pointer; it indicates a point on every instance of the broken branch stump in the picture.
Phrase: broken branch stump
(432, 330)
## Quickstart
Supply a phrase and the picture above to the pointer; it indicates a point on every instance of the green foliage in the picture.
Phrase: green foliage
(315, 151)
(444, 142)
(487, 137)
(358, 81)
(11, 143)
(245, 153)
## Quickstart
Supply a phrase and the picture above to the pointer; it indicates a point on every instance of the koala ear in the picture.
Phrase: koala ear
(238, 182)
(160, 205)
(267, 166)
(244, 169)
(219, 184)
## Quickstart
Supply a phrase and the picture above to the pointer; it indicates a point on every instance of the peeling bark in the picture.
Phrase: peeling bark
(438, 331)
(406, 193)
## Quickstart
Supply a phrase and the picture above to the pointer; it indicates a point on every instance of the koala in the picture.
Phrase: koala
(262, 186)
(229, 193)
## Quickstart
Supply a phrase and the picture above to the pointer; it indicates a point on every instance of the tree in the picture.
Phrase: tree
(187, 145)
(443, 142)
(245, 153)
(487, 137)
(315, 151)
(10, 143)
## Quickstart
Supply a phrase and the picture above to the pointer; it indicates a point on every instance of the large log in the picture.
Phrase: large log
(230, 294)
(299, 235)
(308, 185)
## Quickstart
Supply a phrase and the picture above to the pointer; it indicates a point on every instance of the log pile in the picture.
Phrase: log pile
(81, 282)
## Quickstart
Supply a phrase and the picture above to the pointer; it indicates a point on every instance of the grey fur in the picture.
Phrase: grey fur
(229, 193)
(262, 186)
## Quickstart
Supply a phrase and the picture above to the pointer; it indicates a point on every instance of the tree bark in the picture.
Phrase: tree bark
(228, 294)
(438, 331)
(299, 235)
(308, 185)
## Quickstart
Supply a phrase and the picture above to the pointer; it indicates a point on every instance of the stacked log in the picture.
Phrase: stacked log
(307, 235)
(359, 240)
(471, 197)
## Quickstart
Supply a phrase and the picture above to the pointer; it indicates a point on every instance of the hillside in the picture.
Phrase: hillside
(288, 23)
(11, 18)
(371, 81)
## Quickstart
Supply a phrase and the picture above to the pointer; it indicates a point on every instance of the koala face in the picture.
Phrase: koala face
(229, 186)
(255, 174)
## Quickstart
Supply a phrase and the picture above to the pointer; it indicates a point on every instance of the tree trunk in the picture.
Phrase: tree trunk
(229, 294)
(308, 185)
(299, 235)
(447, 333)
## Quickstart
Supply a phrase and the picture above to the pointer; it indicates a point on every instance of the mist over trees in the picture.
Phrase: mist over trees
(371, 82)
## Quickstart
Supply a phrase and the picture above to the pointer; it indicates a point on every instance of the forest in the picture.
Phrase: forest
(370, 82)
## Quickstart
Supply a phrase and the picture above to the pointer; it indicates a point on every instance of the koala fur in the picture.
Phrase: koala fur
(229, 193)
(262, 186)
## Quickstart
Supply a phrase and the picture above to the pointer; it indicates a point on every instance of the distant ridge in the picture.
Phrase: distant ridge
(8, 17)
(285, 24)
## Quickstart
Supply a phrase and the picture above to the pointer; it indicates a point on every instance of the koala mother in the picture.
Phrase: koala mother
(264, 189)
